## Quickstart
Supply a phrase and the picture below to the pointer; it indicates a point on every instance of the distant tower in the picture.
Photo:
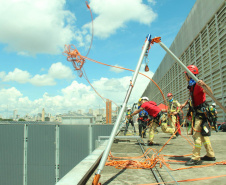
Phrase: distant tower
(90, 111)
(14, 114)
(108, 111)
(43, 114)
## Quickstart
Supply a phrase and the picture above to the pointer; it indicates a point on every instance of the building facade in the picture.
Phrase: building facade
(201, 41)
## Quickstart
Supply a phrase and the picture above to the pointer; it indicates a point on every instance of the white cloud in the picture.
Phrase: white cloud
(116, 70)
(56, 71)
(75, 96)
(9, 96)
(42, 80)
(112, 15)
(37, 26)
(60, 71)
(18, 76)
(44, 26)
(116, 88)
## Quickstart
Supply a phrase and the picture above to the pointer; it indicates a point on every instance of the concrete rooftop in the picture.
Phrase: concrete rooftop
(179, 146)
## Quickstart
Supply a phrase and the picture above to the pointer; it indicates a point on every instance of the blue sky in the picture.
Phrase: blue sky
(34, 74)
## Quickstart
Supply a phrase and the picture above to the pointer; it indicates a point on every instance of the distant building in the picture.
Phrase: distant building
(79, 111)
(47, 118)
(76, 118)
(43, 114)
(201, 42)
(91, 111)
(28, 118)
(14, 114)
(39, 117)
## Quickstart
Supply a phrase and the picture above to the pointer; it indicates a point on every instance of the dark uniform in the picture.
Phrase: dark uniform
(129, 120)
(142, 122)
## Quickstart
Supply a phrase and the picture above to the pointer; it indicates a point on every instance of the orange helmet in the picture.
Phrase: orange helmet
(169, 94)
(193, 69)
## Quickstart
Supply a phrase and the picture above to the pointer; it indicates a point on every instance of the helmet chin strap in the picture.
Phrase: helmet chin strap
(191, 82)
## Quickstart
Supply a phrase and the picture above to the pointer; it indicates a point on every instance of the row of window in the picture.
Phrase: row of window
(208, 52)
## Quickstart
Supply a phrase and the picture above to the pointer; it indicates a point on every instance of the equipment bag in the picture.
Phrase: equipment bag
(206, 130)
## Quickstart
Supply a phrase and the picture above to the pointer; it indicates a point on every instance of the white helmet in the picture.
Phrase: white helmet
(128, 108)
(214, 104)
(145, 98)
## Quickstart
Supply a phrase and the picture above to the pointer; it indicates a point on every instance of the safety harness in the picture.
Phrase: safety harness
(202, 112)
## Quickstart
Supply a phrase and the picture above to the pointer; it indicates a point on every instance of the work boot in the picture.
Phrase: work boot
(150, 143)
(177, 134)
(206, 158)
(193, 162)
(174, 137)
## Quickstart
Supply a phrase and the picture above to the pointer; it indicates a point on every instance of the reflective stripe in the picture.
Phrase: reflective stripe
(206, 143)
(198, 146)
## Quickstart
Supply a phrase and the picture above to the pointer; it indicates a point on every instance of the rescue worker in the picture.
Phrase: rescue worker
(173, 111)
(198, 97)
(129, 119)
(158, 118)
(142, 121)
(213, 112)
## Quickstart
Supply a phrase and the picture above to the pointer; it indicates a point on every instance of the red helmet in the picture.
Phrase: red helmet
(169, 94)
(193, 69)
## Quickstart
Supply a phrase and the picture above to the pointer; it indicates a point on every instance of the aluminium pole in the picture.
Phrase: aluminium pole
(115, 128)
(191, 75)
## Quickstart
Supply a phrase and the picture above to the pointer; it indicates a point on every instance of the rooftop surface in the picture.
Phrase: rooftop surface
(175, 147)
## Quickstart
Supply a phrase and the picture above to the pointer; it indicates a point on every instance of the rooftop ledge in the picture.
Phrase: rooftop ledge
(82, 171)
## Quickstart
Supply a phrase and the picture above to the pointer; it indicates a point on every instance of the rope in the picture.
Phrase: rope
(87, 4)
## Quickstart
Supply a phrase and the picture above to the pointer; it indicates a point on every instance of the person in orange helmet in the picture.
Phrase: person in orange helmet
(201, 133)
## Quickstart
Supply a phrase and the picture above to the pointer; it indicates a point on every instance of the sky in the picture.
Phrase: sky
(34, 73)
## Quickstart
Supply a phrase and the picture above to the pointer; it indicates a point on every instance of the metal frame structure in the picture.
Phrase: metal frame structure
(119, 118)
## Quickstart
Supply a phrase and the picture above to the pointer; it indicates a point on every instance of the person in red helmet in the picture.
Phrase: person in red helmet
(158, 118)
(173, 111)
(200, 107)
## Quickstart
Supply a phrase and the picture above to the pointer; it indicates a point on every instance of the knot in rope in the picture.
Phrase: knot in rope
(75, 57)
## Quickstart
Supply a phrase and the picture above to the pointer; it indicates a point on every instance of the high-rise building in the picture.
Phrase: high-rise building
(201, 41)
(14, 114)
(43, 114)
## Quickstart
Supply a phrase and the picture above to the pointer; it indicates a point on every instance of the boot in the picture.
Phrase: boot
(193, 162)
(206, 158)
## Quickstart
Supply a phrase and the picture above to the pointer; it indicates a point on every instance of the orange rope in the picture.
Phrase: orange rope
(128, 70)
(146, 162)
(87, 4)
(92, 86)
